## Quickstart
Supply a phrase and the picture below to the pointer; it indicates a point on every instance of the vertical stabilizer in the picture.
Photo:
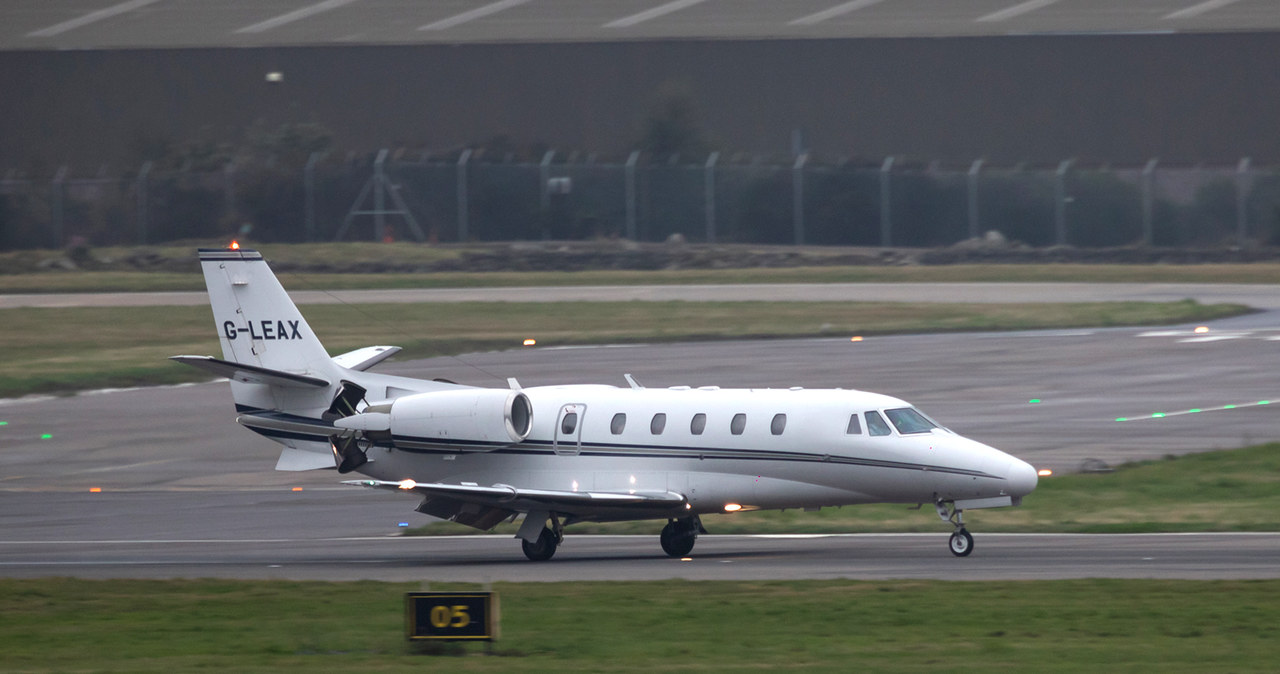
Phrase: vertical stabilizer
(259, 325)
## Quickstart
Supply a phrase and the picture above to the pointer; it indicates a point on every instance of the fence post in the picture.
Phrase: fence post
(631, 194)
(1148, 201)
(380, 194)
(974, 169)
(709, 181)
(59, 194)
(797, 196)
(544, 175)
(1242, 200)
(886, 227)
(143, 184)
(544, 190)
(464, 213)
(309, 195)
(1060, 202)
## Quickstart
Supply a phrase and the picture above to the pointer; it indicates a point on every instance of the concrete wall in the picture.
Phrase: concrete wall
(1184, 98)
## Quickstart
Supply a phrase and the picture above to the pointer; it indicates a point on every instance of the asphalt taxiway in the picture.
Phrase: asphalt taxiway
(161, 482)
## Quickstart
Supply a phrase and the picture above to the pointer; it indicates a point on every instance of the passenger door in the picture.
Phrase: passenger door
(568, 436)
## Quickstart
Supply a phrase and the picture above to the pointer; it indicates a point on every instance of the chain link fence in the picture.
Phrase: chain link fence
(461, 198)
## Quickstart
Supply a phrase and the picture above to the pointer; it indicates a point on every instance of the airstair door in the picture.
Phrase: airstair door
(568, 436)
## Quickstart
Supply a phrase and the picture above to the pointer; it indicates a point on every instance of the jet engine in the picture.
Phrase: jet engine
(485, 418)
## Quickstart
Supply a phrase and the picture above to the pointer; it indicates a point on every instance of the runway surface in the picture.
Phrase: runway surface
(605, 558)
(186, 492)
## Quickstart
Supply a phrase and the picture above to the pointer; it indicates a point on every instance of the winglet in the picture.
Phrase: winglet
(631, 380)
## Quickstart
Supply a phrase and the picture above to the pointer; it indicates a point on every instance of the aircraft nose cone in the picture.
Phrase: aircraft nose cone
(1021, 477)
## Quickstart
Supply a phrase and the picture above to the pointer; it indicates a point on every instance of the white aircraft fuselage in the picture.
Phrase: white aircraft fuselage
(564, 454)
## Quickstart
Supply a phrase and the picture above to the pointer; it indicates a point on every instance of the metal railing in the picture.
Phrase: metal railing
(460, 197)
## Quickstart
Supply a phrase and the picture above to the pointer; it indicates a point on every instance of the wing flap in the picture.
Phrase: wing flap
(451, 501)
(502, 494)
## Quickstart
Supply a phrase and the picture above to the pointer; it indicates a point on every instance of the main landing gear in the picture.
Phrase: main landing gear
(679, 535)
(544, 546)
(961, 542)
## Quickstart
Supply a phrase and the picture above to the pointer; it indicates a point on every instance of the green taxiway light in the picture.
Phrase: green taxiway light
(1228, 407)
(1033, 401)
(1264, 402)
(45, 436)
(1157, 415)
(1122, 418)
(1193, 410)
(4, 423)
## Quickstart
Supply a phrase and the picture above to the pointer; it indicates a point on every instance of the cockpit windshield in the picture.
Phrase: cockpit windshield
(909, 420)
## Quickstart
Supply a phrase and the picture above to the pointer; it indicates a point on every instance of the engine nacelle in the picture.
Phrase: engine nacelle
(487, 417)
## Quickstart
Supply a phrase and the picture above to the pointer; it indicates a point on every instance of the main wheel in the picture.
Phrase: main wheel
(961, 543)
(543, 549)
(677, 541)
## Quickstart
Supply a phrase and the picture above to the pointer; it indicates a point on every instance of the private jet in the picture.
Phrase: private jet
(558, 455)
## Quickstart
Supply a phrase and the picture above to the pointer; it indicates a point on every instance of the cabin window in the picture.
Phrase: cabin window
(738, 424)
(907, 420)
(658, 424)
(619, 422)
(779, 424)
(855, 426)
(569, 424)
(699, 424)
(876, 425)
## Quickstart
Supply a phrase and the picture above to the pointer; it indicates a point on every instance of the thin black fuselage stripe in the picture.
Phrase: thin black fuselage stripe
(543, 447)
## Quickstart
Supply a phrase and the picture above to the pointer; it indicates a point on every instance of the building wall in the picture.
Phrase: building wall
(1122, 99)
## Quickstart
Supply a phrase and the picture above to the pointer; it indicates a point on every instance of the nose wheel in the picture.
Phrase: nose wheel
(961, 541)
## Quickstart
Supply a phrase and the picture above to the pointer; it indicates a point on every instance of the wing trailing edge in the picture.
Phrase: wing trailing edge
(484, 507)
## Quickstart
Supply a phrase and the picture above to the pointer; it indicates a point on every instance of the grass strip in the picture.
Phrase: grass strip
(1229, 490)
(67, 349)
(156, 281)
(902, 626)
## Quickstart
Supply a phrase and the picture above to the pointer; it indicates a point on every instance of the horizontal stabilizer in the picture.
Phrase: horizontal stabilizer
(363, 359)
(250, 374)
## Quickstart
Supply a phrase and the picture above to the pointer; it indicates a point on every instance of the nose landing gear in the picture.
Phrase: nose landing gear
(961, 541)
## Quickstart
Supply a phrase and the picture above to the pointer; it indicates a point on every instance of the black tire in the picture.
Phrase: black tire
(677, 541)
(543, 549)
(961, 543)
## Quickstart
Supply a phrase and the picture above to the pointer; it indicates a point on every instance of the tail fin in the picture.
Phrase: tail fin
(283, 363)
(258, 324)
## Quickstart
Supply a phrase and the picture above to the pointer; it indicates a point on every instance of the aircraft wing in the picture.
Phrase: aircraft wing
(484, 507)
